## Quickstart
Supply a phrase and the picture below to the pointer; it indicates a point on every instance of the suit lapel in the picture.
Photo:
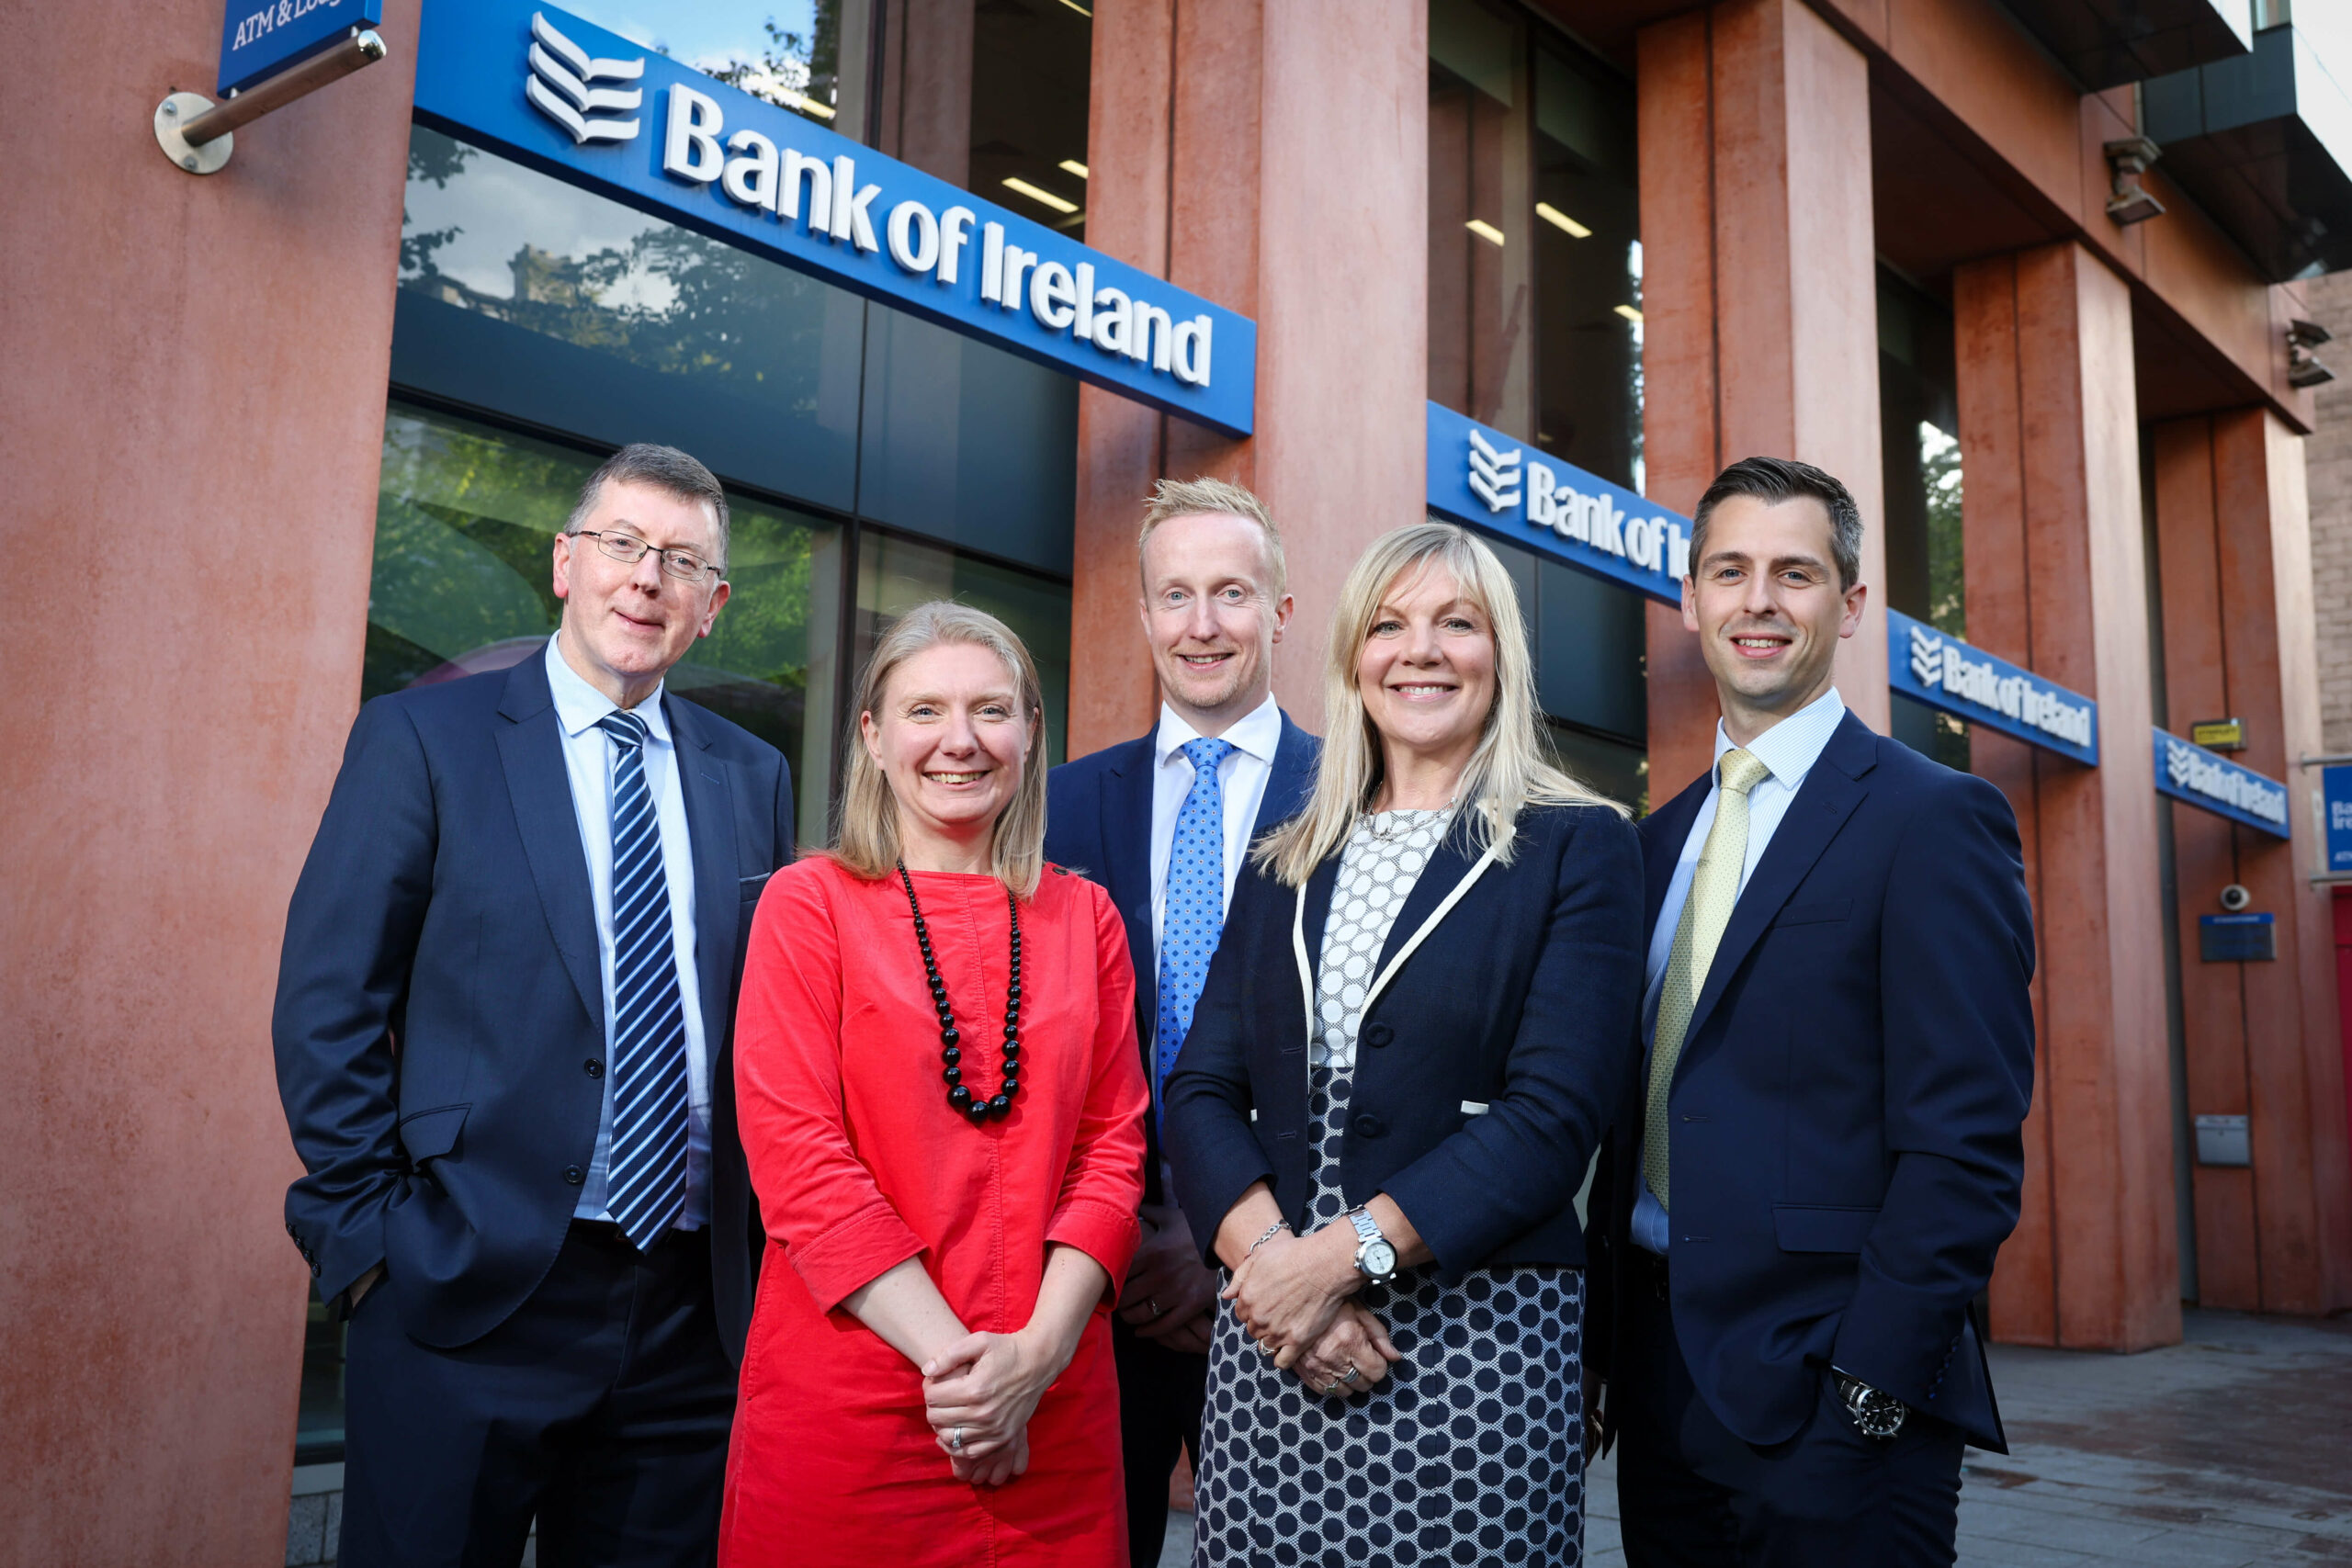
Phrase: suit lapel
(1831, 792)
(1290, 780)
(709, 801)
(1662, 834)
(531, 750)
(1125, 836)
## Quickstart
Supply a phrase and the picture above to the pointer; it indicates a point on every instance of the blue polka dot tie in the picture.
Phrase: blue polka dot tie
(1193, 916)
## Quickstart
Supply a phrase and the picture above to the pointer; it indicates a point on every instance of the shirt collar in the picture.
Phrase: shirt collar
(1257, 733)
(578, 704)
(1791, 748)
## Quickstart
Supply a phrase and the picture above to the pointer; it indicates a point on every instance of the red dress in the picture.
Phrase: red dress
(860, 1164)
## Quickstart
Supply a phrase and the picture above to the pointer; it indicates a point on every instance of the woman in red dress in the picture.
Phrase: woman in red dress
(942, 1103)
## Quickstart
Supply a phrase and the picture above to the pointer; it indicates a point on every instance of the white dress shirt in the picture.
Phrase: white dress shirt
(588, 757)
(1243, 774)
(1788, 749)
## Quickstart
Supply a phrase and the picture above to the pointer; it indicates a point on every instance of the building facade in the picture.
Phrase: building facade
(295, 433)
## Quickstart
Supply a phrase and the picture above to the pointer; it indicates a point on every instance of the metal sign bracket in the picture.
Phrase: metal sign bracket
(196, 133)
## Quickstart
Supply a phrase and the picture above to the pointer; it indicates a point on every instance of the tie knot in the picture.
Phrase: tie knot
(626, 728)
(1206, 755)
(1741, 772)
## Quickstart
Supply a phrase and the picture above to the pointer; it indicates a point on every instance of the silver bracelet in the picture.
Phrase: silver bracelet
(1268, 1236)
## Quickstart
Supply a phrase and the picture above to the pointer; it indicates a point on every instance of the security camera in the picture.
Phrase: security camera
(2235, 897)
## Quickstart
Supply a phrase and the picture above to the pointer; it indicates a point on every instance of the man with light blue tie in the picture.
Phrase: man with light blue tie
(502, 1033)
(1165, 822)
(1804, 1192)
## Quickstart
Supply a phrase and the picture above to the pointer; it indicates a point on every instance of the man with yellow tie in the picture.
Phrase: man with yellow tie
(1799, 1207)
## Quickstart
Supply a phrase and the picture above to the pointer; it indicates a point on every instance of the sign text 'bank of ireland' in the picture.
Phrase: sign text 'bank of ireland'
(541, 86)
(1940, 670)
(1480, 477)
(2188, 771)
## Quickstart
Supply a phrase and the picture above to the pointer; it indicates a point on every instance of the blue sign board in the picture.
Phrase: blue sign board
(1940, 670)
(2335, 818)
(539, 85)
(1480, 477)
(2188, 771)
(2237, 939)
(261, 38)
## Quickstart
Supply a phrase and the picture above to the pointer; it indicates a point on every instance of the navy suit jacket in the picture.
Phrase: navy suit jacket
(1098, 822)
(1845, 1146)
(441, 999)
(1487, 1065)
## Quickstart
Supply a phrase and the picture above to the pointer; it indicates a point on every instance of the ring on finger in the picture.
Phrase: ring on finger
(954, 1439)
(1351, 1374)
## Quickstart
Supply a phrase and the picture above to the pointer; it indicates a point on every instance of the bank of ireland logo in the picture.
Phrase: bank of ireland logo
(1927, 656)
(563, 86)
(1494, 476)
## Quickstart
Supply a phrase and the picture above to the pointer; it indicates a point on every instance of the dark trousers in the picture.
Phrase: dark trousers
(1693, 1496)
(1160, 1394)
(600, 1408)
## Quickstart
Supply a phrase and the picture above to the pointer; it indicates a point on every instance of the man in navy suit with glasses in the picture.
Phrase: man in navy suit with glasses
(1802, 1199)
(502, 1031)
(1165, 822)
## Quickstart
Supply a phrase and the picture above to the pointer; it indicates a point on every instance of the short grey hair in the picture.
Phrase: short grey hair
(1773, 481)
(664, 469)
(1206, 496)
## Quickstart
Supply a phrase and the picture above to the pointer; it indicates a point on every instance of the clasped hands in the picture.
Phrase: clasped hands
(1290, 1294)
(979, 1394)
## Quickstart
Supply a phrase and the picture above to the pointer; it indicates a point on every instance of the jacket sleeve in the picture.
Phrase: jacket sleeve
(1102, 1189)
(1214, 1153)
(1521, 1162)
(351, 938)
(1955, 959)
(816, 1196)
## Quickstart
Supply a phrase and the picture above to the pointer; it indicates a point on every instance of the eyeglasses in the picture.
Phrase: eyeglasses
(685, 565)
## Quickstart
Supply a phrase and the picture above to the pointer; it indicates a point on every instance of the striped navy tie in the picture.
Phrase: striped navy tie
(646, 1179)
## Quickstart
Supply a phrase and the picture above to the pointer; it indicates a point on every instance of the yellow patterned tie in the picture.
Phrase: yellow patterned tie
(1714, 888)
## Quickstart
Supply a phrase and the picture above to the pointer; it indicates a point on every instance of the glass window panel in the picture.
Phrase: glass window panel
(1919, 436)
(563, 308)
(895, 574)
(1588, 269)
(1480, 345)
(1032, 73)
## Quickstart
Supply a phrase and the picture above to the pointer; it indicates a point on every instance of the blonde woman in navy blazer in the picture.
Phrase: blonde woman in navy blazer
(1410, 1043)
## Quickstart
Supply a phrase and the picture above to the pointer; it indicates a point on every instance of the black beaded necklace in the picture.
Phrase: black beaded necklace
(951, 1052)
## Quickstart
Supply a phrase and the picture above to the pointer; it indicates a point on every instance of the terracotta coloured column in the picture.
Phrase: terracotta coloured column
(1203, 174)
(2234, 558)
(2056, 581)
(1759, 293)
(194, 411)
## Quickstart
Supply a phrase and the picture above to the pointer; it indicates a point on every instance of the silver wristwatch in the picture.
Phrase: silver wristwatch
(1375, 1256)
(1876, 1414)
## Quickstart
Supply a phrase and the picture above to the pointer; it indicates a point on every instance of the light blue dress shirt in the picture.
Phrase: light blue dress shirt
(1789, 749)
(588, 758)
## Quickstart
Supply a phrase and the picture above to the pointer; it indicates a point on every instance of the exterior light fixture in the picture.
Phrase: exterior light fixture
(2302, 371)
(1561, 220)
(2126, 160)
(1072, 166)
(1485, 231)
(1043, 197)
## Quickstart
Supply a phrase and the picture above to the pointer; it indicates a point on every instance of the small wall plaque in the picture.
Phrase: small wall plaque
(2224, 1140)
(2250, 938)
(2219, 734)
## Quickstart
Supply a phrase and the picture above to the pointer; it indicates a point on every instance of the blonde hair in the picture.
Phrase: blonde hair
(866, 841)
(1506, 772)
(1214, 498)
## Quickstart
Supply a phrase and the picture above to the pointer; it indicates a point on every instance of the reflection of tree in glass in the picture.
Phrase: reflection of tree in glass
(794, 69)
(1940, 465)
(433, 161)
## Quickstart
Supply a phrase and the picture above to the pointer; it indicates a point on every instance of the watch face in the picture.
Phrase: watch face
(1379, 1259)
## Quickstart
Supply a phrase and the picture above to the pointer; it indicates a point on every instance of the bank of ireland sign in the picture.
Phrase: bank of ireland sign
(261, 38)
(1482, 477)
(537, 85)
(2188, 771)
(1940, 670)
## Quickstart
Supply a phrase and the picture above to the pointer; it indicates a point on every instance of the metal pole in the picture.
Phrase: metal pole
(363, 48)
(2327, 762)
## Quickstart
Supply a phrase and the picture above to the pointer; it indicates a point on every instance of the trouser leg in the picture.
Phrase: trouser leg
(1831, 1496)
(1669, 1514)
(637, 1482)
(1161, 1395)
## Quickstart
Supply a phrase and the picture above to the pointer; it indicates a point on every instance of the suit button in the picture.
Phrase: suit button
(592, 1068)
(1369, 1126)
(1379, 1035)
(574, 1175)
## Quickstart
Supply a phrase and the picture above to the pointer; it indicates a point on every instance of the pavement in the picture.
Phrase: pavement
(2230, 1449)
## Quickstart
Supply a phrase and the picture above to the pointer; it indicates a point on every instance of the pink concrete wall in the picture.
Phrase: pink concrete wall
(190, 420)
